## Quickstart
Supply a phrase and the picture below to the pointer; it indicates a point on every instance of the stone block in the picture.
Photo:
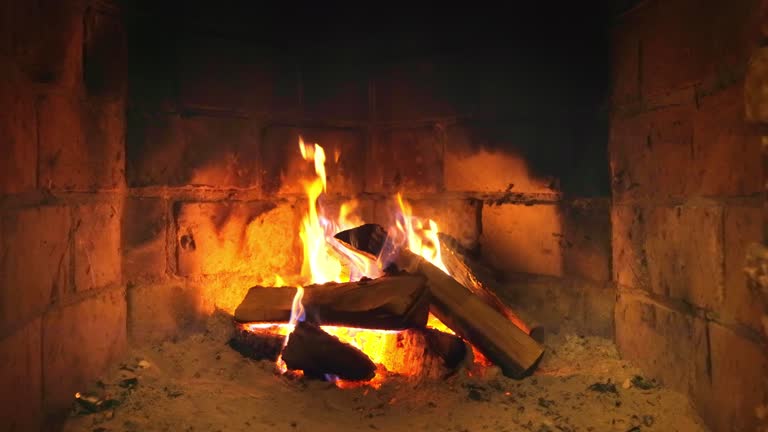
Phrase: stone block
(258, 239)
(739, 368)
(684, 247)
(413, 91)
(626, 49)
(666, 344)
(335, 94)
(477, 163)
(586, 238)
(35, 257)
(229, 75)
(18, 133)
(79, 342)
(97, 246)
(287, 172)
(104, 55)
(21, 377)
(743, 226)
(523, 239)
(723, 140)
(47, 40)
(629, 257)
(198, 150)
(144, 229)
(407, 160)
(157, 312)
(459, 218)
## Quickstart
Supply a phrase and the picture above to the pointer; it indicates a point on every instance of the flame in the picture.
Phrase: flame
(297, 314)
(419, 234)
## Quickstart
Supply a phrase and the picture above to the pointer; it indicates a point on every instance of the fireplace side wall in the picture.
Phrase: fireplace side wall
(687, 182)
(62, 300)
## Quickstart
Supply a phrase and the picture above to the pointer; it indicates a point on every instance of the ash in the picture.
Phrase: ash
(201, 384)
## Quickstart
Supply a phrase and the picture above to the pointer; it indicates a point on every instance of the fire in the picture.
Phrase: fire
(297, 314)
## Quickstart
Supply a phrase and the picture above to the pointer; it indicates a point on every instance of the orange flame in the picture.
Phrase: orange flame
(297, 314)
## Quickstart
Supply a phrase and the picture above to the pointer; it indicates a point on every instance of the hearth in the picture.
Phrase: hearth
(223, 217)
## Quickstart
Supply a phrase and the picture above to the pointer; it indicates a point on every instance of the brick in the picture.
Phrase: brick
(666, 344)
(18, 133)
(330, 93)
(227, 75)
(47, 41)
(739, 368)
(458, 218)
(35, 257)
(755, 83)
(685, 253)
(104, 55)
(587, 239)
(104, 125)
(412, 91)
(626, 38)
(651, 154)
(97, 246)
(523, 239)
(286, 171)
(21, 376)
(723, 140)
(143, 239)
(79, 342)
(629, 257)
(155, 147)
(477, 163)
(406, 160)
(743, 226)
(157, 312)
(257, 239)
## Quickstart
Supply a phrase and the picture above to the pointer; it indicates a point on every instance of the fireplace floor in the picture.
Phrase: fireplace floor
(198, 383)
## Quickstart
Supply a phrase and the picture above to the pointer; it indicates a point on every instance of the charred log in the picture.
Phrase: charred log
(390, 302)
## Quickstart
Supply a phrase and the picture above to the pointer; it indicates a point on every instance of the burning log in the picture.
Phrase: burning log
(258, 344)
(317, 353)
(466, 313)
(390, 302)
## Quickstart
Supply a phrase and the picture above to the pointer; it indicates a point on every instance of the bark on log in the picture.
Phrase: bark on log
(390, 302)
(491, 332)
(312, 350)
(259, 344)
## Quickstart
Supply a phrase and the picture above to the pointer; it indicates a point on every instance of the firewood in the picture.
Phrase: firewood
(390, 302)
(312, 350)
(464, 312)
(259, 344)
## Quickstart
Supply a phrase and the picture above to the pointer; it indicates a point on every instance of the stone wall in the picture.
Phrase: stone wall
(215, 176)
(62, 299)
(688, 191)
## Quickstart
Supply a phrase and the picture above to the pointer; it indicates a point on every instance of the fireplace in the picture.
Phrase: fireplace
(591, 175)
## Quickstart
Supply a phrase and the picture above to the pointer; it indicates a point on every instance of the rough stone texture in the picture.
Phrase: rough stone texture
(104, 55)
(520, 238)
(411, 91)
(474, 163)
(174, 151)
(406, 160)
(737, 367)
(722, 141)
(586, 239)
(35, 257)
(458, 218)
(630, 264)
(684, 247)
(286, 171)
(21, 379)
(18, 133)
(97, 246)
(743, 226)
(143, 236)
(79, 341)
(626, 48)
(665, 343)
(162, 311)
(257, 239)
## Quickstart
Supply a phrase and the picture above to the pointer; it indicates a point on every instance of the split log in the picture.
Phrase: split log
(418, 353)
(390, 302)
(312, 350)
(471, 317)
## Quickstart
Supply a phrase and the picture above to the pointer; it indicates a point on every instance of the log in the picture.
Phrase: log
(390, 302)
(458, 264)
(417, 353)
(312, 350)
(470, 316)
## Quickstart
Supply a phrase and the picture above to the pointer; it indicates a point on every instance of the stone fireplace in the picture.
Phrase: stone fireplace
(607, 174)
